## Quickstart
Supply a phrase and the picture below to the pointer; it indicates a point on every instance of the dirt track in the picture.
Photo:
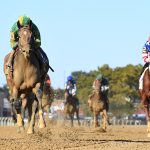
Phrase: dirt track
(77, 138)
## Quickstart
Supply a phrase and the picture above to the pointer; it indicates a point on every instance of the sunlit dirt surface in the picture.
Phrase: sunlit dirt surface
(78, 138)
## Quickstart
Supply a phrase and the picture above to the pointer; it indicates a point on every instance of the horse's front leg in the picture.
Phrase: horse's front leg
(32, 113)
(47, 107)
(95, 119)
(145, 103)
(77, 114)
(23, 106)
(17, 105)
(148, 127)
(71, 117)
(64, 118)
(104, 119)
(38, 92)
(148, 119)
(13, 112)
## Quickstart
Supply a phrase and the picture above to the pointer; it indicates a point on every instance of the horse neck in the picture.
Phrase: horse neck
(146, 80)
(26, 65)
(97, 85)
(97, 96)
(20, 56)
(147, 75)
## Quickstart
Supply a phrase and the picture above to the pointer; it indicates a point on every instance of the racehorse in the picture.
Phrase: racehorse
(145, 97)
(71, 108)
(28, 77)
(98, 106)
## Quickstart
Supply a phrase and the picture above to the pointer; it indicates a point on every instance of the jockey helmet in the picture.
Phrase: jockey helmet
(99, 77)
(69, 78)
(24, 20)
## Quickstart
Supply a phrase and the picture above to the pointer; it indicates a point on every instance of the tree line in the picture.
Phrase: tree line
(123, 82)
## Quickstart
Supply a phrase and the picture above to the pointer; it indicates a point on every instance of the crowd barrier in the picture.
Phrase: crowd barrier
(127, 122)
(6, 121)
(89, 122)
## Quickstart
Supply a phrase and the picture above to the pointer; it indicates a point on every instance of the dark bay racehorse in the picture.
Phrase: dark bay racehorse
(71, 108)
(98, 106)
(145, 97)
(28, 77)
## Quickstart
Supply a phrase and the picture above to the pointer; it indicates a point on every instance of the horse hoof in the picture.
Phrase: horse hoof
(19, 120)
(42, 125)
(18, 131)
(30, 131)
(22, 128)
(20, 124)
(102, 130)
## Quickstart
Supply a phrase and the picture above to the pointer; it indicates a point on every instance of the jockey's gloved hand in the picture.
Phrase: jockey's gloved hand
(104, 88)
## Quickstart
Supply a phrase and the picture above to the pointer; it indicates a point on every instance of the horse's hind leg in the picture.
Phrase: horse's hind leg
(23, 107)
(20, 123)
(64, 119)
(17, 106)
(95, 119)
(13, 113)
(47, 113)
(148, 120)
(32, 113)
(71, 117)
(145, 103)
(77, 114)
(148, 127)
(38, 92)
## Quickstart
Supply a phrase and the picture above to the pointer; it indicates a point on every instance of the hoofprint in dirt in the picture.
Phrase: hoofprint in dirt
(77, 138)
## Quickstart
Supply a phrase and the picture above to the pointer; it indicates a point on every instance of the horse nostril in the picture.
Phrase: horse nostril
(30, 50)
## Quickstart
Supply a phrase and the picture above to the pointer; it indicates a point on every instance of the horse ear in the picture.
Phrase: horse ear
(18, 24)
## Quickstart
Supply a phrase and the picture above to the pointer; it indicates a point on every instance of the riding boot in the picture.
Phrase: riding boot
(9, 68)
(43, 59)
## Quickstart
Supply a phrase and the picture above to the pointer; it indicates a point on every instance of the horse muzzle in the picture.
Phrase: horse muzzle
(26, 53)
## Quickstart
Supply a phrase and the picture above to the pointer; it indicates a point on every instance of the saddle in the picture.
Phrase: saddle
(9, 63)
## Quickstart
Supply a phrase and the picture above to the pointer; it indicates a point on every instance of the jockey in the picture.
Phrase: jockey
(104, 89)
(22, 22)
(146, 59)
(70, 88)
